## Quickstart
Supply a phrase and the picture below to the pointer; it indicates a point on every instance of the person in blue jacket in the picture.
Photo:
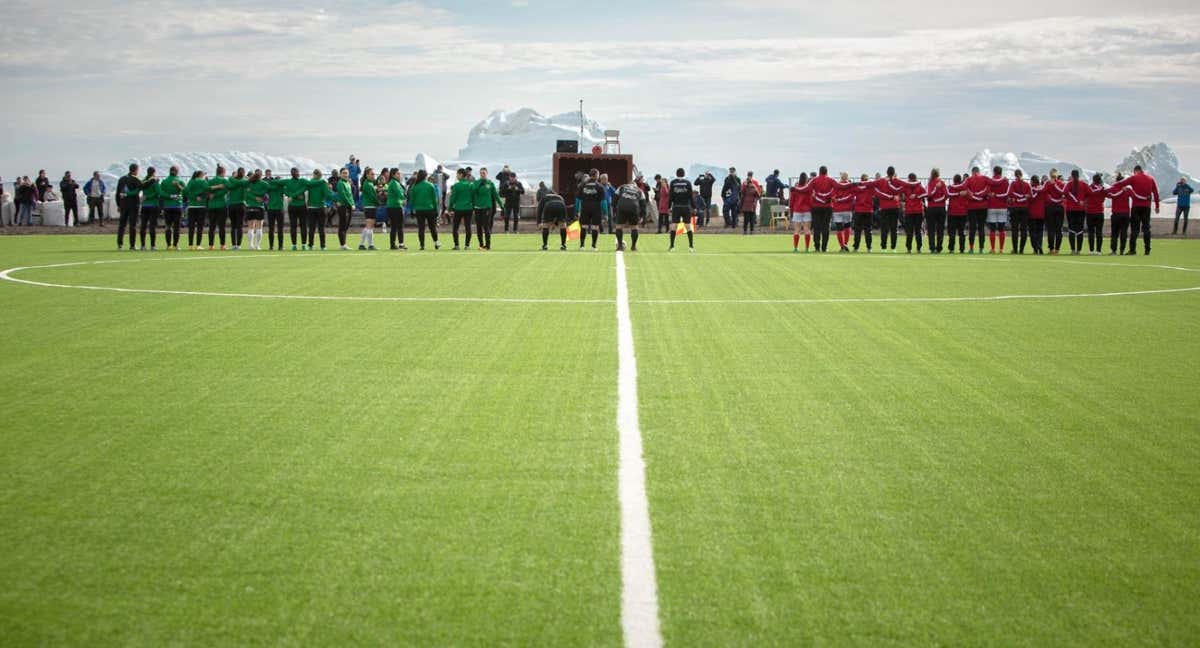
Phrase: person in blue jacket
(1183, 204)
(355, 170)
(775, 186)
(96, 193)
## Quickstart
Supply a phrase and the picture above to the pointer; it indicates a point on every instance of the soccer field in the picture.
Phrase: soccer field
(422, 448)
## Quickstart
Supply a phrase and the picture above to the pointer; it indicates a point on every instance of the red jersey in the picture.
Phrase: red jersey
(864, 198)
(1095, 200)
(1143, 188)
(888, 192)
(936, 194)
(1120, 199)
(913, 205)
(800, 199)
(1076, 195)
(843, 198)
(1020, 194)
(1054, 191)
(1037, 204)
(822, 188)
(999, 193)
(978, 188)
(959, 199)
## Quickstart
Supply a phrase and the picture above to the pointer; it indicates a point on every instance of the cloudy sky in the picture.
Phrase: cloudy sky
(792, 84)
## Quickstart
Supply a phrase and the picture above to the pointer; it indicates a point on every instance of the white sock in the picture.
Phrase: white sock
(258, 239)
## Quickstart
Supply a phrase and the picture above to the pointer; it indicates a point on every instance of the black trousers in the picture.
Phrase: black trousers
(976, 226)
(956, 227)
(1018, 220)
(462, 217)
(237, 217)
(935, 227)
(274, 228)
(1180, 210)
(1054, 226)
(889, 221)
(216, 220)
(1036, 227)
(862, 226)
(68, 207)
(912, 228)
(512, 211)
(426, 219)
(1095, 232)
(298, 217)
(748, 219)
(149, 221)
(1139, 221)
(172, 216)
(128, 218)
(196, 225)
(820, 227)
(483, 226)
(343, 215)
(95, 210)
(1119, 236)
(395, 217)
(315, 226)
(1075, 222)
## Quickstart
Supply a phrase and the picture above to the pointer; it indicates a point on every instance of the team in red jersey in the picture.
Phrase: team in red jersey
(1034, 211)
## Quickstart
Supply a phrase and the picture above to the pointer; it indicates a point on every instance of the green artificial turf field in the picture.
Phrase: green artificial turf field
(421, 448)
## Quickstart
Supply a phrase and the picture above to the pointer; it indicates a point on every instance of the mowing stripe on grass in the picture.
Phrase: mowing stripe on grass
(869, 300)
(639, 588)
(8, 276)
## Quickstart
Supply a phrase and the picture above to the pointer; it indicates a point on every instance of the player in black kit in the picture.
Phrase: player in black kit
(590, 204)
(682, 199)
(630, 210)
(552, 212)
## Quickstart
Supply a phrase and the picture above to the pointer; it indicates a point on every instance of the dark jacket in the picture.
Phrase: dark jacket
(68, 189)
(704, 185)
(732, 186)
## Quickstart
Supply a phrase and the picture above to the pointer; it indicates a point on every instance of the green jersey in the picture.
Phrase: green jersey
(318, 192)
(170, 191)
(423, 196)
(344, 196)
(218, 192)
(255, 191)
(237, 190)
(395, 193)
(462, 196)
(275, 190)
(370, 198)
(150, 192)
(486, 196)
(196, 192)
(294, 189)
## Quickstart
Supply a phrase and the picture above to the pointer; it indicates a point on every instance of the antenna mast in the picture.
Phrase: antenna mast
(581, 124)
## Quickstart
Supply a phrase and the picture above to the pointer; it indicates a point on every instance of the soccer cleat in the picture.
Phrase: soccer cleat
(544, 248)
(795, 250)
(401, 247)
(362, 247)
(370, 247)
(455, 248)
(562, 248)
(671, 249)
(691, 249)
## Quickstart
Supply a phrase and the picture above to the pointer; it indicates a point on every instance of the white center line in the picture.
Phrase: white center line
(639, 588)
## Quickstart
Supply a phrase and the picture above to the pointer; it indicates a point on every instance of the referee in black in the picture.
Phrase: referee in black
(683, 197)
(591, 200)
(630, 210)
(552, 212)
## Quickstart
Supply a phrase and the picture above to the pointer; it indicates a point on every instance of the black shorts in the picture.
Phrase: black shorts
(254, 213)
(590, 215)
(680, 213)
(628, 216)
(553, 214)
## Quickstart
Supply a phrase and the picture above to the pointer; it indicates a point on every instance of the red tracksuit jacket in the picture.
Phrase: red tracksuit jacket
(1144, 188)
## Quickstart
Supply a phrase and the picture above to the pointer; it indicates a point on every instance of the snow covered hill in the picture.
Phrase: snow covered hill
(525, 140)
(188, 162)
(1029, 163)
(1159, 161)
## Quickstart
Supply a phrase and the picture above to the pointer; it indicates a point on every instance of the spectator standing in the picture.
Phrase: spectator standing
(662, 196)
(775, 186)
(42, 184)
(542, 190)
(704, 189)
(23, 199)
(69, 189)
(355, 170)
(750, 195)
(1183, 204)
(731, 193)
(511, 191)
(96, 192)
